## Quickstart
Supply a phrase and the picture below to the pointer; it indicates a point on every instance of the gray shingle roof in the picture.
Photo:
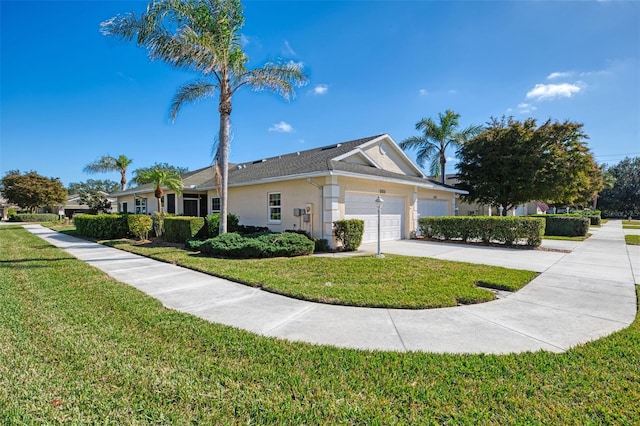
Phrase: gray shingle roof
(316, 160)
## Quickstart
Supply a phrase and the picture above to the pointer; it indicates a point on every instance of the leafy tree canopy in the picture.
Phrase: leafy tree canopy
(141, 175)
(514, 162)
(93, 185)
(31, 191)
(623, 195)
(107, 163)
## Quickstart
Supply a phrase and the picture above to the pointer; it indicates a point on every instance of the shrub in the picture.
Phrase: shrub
(140, 225)
(565, 225)
(349, 233)
(34, 217)
(11, 212)
(234, 245)
(595, 216)
(213, 224)
(501, 229)
(321, 244)
(178, 229)
(102, 226)
(250, 229)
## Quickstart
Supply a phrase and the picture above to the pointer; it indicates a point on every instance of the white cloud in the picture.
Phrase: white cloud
(557, 75)
(525, 108)
(288, 50)
(244, 40)
(551, 91)
(423, 92)
(320, 89)
(281, 127)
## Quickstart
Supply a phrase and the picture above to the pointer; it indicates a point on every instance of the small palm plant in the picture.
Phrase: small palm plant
(160, 178)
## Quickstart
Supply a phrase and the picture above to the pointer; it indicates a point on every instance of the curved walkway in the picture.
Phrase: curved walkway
(581, 296)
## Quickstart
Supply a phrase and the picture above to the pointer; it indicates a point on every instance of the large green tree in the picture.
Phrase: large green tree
(107, 163)
(157, 166)
(93, 185)
(622, 199)
(31, 191)
(204, 36)
(513, 162)
(436, 138)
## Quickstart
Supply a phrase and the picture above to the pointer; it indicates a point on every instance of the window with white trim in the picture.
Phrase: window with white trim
(275, 209)
(215, 205)
(141, 206)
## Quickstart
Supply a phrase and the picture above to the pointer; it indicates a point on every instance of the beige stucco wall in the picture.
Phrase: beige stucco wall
(390, 160)
(250, 204)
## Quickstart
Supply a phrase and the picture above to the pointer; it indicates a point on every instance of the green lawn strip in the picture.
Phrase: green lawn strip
(631, 222)
(561, 238)
(77, 347)
(632, 240)
(391, 282)
(630, 226)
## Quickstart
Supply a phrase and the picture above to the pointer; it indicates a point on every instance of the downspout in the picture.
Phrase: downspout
(321, 188)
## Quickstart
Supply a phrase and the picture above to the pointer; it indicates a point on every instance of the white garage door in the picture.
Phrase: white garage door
(363, 206)
(433, 208)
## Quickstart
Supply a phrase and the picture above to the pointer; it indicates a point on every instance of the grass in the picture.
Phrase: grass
(77, 347)
(556, 237)
(632, 240)
(631, 222)
(390, 282)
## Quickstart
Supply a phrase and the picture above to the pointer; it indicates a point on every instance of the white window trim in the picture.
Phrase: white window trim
(270, 207)
(212, 209)
(140, 203)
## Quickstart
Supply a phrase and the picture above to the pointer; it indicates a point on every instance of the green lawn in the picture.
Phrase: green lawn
(632, 240)
(77, 347)
(392, 282)
(556, 237)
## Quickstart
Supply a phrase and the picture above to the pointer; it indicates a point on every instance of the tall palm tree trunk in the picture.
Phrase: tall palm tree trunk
(123, 179)
(223, 154)
(443, 162)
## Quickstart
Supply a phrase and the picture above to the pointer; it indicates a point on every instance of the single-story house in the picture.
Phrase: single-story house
(311, 189)
(73, 206)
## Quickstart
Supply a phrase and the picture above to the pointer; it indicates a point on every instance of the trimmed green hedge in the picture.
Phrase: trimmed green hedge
(34, 217)
(506, 230)
(178, 229)
(349, 233)
(595, 216)
(236, 246)
(102, 226)
(213, 224)
(565, 225)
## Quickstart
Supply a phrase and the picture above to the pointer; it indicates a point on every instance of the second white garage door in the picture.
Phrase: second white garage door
(433, 208)
(363, 206)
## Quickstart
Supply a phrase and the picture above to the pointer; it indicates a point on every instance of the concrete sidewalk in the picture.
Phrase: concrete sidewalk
(579, 297)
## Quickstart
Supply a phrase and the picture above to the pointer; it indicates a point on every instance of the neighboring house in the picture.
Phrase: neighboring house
(73, 206)
(311, 189)
(475, 209)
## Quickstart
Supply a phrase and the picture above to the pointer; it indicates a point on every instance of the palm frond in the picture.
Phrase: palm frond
(276, 78)
(190, 92)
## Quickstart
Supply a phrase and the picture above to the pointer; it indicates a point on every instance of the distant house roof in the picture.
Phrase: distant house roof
(312, 162)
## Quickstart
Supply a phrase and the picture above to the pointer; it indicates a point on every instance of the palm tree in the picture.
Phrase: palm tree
(436, 138)
(160, 178)
(107, 163)
(203, 36)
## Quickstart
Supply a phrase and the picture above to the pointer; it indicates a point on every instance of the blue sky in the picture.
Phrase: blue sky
(69, 94)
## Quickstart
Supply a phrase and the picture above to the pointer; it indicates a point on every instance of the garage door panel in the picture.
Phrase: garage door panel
(433, 208)
(363, 207)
